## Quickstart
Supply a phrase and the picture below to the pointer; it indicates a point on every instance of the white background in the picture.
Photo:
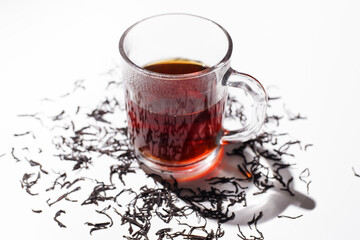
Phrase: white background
(309, 49)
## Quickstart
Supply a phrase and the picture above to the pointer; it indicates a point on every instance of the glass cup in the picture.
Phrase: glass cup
(175, 115)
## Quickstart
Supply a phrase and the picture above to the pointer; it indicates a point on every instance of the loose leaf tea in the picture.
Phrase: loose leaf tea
(102, 225)
(86, 161)
(201, 233)
(252, 224)
(355, 173)
(292, 116)
(36, 211)
(27, 183)
(304, 175)
(58, 213)
(63, 196)
(13, 155)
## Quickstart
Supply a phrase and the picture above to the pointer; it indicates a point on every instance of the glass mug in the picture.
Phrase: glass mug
(176, 74)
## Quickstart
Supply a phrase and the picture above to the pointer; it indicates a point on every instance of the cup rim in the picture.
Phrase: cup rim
(206, 71)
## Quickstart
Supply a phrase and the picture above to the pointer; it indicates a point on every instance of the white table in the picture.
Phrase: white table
(310, 50)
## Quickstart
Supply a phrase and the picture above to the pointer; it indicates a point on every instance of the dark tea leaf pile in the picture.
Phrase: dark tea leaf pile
(76, 157)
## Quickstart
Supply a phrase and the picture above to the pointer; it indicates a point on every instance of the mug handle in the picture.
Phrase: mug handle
(251, 85)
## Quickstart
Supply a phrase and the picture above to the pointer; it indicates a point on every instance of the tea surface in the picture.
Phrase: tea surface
(176, 66)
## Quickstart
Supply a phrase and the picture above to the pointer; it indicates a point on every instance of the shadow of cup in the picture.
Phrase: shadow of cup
(271, 202)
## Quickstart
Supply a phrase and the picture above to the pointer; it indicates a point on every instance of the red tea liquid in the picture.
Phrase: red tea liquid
(176, 139)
